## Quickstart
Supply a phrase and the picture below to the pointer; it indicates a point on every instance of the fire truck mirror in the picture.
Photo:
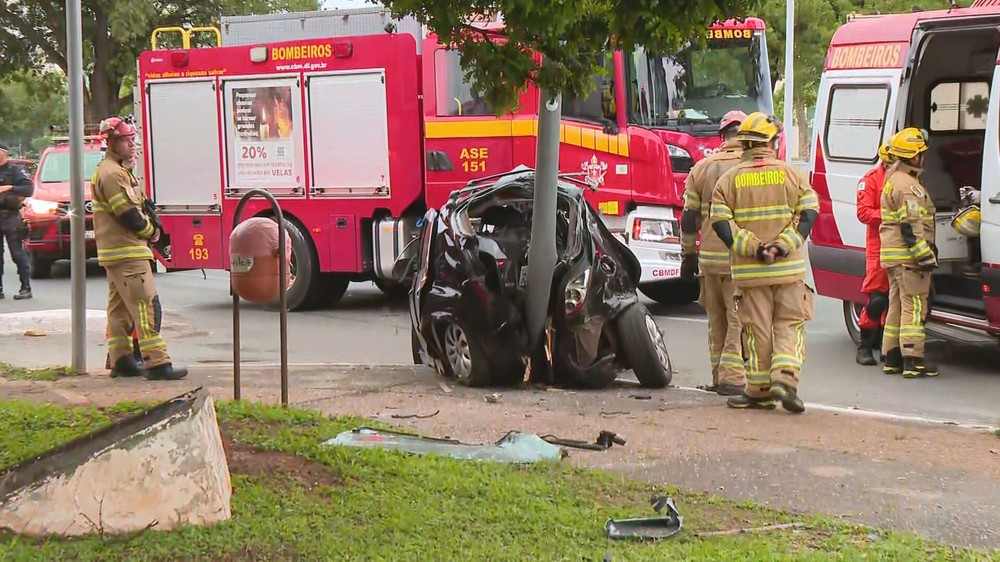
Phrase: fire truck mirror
(253, 260)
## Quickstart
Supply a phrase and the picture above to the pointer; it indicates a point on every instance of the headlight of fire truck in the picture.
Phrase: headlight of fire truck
(664, 231)
(41, 208)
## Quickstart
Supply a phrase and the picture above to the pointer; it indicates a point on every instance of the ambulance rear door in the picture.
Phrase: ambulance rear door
(990, 205)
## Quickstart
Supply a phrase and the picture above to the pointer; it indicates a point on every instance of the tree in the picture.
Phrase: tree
(570, 36)
(29, 103)
(33, 37)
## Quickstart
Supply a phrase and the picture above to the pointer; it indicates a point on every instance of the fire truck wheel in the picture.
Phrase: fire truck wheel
(674, 292)
(307, 284)
(644, 347)
(852, 320)
(41, 268)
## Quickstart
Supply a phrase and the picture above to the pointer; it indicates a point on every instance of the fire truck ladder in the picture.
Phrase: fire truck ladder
(185, 33)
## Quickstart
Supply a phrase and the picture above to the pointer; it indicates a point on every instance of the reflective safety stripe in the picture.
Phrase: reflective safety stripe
(118, 203)
(731, 360)
(791, 238)
(777, 269)
(808, 201)
(713, 257)
(889, 216)
(891, 330)
(745, 243)
(921, 249)
(895, 255)
(124, 253)
(147, 231)
(692, 200)
(721, 212)
(100, 207)
(774, 212)
(119, 343)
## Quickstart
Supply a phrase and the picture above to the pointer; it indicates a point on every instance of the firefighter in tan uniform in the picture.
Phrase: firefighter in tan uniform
(763, 210)
(908, 254)
(712, 261)
(123, 234)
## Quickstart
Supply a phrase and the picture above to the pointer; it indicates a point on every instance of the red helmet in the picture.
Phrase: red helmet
(116, 127)
(731, 119)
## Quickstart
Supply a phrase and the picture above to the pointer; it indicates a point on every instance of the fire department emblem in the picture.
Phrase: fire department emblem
(594, 171)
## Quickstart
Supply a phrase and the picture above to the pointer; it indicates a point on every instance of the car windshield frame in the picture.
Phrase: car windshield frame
(656, 103)
(91, 159)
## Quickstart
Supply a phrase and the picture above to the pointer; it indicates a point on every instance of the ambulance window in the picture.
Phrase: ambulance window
(959, 106)
(855, 121)
(599, 105)
(455, 96)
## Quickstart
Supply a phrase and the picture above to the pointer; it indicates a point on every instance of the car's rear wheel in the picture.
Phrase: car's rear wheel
(644, 347)
(673, 292)
(41, 268)
(464, 356)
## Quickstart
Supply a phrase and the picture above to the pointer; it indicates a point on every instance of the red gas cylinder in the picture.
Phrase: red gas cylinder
(253, 260)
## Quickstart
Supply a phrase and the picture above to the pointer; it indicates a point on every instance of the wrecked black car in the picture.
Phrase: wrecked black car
(468, 295)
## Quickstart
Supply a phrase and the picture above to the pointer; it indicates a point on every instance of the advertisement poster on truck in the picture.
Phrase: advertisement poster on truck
(263, 127)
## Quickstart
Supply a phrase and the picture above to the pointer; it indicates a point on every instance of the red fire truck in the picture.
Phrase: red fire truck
(358, 134)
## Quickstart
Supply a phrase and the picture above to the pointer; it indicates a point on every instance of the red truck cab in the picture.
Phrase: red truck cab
(47, 211)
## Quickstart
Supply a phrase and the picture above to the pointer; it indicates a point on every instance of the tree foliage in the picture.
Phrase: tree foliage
(30, 102)
(33, 36)
(569, 34)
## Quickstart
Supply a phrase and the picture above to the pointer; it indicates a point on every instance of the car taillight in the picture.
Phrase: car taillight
(576, 292)
(656, 230)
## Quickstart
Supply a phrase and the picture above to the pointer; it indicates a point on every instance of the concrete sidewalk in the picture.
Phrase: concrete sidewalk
(941, 482)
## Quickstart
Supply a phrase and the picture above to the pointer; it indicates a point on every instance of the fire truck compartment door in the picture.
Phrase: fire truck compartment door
(989, 231)
(184, 144)
(349, 134)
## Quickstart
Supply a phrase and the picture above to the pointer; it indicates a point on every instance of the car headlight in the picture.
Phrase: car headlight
(42, 207)
(680, 159)
(677, 152)
(665, 231)
(576, 292)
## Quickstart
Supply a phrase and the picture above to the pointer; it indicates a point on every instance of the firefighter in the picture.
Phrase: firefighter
(876, 283)
(712, 261)
(763, 210)
(909, 256)
(15, 186)
(123, 235)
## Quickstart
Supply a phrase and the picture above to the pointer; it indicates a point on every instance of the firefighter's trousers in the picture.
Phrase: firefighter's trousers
(904, 323)
(131, 303)
(774, 334)
(724, 345)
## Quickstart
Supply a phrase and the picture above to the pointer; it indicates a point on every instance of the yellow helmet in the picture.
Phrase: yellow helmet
(907, 143)
(883, 154)
(967, 221)
(758, 127)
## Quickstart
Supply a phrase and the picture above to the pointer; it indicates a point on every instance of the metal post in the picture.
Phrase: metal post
(78, 251)
(789, 76)
(542, 248)
(282, 296)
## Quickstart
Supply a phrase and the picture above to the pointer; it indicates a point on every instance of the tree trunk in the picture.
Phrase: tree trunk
(803, 127)
(103, 92)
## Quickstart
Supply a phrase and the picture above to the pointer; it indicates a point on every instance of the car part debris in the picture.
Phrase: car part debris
(649, 528)
(493, 398)
(615, 413)
(414, 416)
(515, 447)
(640, 396)
(605, 440)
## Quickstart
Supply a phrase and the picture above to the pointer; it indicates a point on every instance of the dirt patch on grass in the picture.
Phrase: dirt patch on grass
(250, 461)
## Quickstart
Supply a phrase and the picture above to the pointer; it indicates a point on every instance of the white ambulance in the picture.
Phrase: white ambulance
(934, 70)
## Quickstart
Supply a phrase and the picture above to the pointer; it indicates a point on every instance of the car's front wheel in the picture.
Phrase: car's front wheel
(644, 347)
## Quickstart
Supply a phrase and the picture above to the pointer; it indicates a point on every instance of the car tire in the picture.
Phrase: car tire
(852, 315)
(644, 347)
(415, 346)
(674, 292)
(464, 359)
(41, 268)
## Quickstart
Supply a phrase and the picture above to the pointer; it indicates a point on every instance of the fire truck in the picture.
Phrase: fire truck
(358, 129)
(934, 70)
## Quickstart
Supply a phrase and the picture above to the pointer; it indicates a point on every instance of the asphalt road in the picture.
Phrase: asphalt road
(367, 329)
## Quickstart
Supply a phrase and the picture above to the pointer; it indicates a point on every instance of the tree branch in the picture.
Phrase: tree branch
(30, 33)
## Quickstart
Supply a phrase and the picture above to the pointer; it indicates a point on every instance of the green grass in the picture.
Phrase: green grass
(9, 371)
(389, 506)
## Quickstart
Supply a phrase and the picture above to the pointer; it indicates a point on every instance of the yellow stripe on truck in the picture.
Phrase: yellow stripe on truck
(574, 135)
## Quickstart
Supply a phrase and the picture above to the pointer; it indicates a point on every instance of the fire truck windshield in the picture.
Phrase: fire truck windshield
(693, 89)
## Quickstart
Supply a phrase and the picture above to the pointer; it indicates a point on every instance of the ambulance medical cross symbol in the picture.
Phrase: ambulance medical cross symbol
(594, 171)
(977, 106)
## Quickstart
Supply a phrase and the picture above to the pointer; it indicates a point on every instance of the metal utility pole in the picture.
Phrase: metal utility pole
(78, 251)
(542, 247)
(789, 76)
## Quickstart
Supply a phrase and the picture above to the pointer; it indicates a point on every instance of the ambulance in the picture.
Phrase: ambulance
(933, 70)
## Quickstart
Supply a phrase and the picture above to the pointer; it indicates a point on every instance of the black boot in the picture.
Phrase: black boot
(166, 372)
(126, 366)
(915, 367)
(893, 362)
(751, 403)
(789, 397)
(865, 354)
(24, 293)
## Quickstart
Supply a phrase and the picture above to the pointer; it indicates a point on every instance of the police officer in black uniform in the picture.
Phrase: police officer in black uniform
(15, 186)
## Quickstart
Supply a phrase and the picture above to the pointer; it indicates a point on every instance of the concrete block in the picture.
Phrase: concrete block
(160, 469)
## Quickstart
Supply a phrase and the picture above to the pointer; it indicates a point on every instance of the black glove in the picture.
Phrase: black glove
(689, 266)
